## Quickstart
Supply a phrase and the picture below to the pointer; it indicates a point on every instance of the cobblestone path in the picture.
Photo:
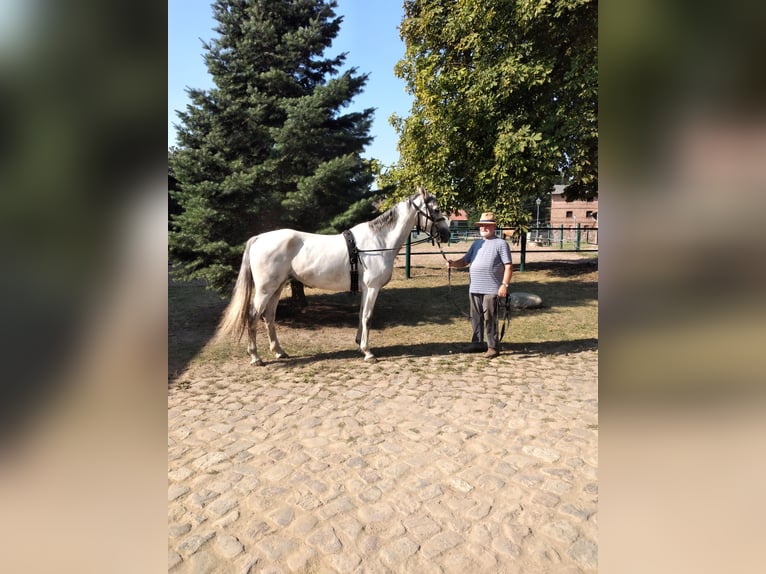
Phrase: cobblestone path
(415, 464)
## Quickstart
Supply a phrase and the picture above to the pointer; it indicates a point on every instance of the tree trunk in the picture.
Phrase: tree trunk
(298, 296)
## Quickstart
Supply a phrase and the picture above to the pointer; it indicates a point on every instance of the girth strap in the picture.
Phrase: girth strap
(353, 258)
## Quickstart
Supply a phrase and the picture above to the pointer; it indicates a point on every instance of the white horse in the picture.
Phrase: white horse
(271, 259)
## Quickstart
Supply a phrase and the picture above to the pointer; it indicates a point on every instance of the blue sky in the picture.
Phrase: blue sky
(369, 35)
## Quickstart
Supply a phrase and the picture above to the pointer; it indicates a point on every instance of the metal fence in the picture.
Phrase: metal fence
(566, 238)
(575, 234)
(575, 238)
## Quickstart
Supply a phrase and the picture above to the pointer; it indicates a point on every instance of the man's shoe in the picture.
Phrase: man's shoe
(491, 353)
(475, 348)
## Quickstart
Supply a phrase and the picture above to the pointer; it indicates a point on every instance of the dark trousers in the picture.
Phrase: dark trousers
(484, 318)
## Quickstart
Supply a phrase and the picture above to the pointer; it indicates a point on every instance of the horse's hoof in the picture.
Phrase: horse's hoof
(256, 363)
(371, 359)
(283, 356)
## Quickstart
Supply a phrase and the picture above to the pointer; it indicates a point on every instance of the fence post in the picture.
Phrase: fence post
(407, 253)
(561, 237)
(577, 238)
(523, 251)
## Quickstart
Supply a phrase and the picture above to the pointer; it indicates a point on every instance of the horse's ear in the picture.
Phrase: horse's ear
(422, 191)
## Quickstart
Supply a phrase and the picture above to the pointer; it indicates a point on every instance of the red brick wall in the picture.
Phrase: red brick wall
(580, 211)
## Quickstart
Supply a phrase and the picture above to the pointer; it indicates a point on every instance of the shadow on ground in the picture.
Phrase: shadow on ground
(411, 306)
(193, 314)
(439, 349)
(564, 268)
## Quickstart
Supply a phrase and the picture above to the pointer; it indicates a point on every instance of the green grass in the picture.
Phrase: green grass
(420, 316)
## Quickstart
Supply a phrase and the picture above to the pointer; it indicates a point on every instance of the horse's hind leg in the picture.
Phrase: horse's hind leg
(261, 301)
(269, 316)
(252, 348)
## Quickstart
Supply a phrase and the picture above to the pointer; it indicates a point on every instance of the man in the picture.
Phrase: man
(490, 272)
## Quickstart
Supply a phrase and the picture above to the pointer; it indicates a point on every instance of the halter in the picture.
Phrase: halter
(428, 214)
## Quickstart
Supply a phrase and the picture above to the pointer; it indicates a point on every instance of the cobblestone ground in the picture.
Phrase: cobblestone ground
(414, 464)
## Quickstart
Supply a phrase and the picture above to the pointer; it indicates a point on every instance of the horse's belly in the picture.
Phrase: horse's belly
(322, 269)
(325, 282)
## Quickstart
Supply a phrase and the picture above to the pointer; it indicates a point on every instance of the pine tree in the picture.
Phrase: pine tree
(268, 146)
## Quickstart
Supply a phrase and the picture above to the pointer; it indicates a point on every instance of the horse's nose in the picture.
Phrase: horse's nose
(444, 235)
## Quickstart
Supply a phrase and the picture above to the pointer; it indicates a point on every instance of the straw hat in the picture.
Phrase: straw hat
(487, 218)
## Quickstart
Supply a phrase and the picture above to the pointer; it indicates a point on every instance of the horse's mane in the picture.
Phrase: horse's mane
(388, 218)
(385, 220)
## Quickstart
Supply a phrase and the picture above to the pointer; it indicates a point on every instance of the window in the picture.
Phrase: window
(589, 215)
(569, 214)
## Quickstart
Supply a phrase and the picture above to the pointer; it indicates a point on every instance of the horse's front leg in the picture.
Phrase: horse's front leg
(369, 295)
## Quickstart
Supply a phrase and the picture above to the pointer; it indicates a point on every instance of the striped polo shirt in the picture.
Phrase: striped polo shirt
(487, 258)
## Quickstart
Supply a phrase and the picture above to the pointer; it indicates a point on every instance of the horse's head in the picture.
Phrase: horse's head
(430, 217)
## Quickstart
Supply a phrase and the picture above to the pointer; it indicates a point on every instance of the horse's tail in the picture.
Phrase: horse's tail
(236, 315)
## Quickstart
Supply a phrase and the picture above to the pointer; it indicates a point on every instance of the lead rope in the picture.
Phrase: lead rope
(506, 305)
(506, 315)
(449, 283)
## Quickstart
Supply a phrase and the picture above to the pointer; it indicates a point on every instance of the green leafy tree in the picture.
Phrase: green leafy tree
(505, 101)
(269, 145)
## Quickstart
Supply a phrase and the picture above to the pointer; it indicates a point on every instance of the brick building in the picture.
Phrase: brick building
(458, 220)
(570, 213)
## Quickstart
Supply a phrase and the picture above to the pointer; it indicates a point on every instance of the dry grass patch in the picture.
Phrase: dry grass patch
(416, 317)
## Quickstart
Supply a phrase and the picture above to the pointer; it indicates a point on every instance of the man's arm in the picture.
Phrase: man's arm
(507, 273)
(465, 260)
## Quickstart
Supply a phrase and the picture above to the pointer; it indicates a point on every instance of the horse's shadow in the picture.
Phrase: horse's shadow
(422, 350)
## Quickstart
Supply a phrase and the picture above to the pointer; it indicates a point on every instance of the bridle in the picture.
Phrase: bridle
(433, 235)
(429, 216)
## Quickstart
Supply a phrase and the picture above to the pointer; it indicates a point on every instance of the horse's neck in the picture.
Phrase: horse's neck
(404, 224)
(369, 236)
